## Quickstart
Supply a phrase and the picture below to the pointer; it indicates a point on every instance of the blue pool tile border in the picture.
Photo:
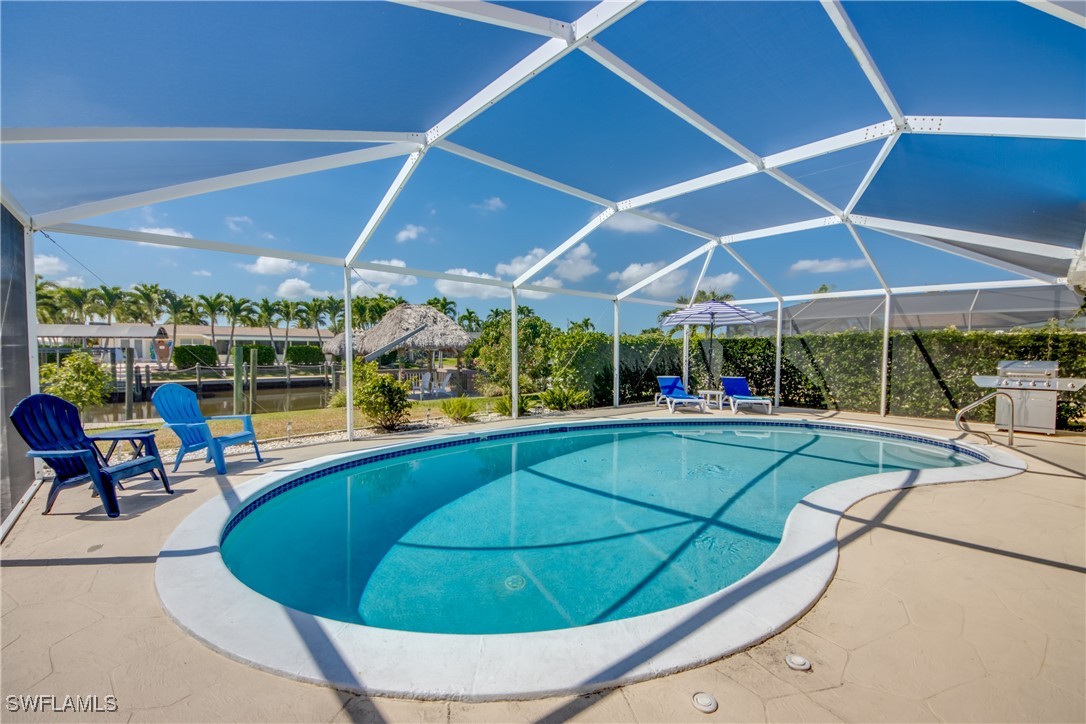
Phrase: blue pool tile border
(293, 483)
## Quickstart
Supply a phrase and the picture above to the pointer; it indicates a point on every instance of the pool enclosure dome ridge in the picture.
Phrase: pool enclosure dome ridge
(696, 134)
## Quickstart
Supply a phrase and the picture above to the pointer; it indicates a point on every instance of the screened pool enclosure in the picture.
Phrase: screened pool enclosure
(606, 157)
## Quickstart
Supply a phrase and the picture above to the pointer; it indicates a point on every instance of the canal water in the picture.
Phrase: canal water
(222, 403)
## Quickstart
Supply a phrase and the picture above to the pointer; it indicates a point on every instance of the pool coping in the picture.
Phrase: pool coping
(201, 595)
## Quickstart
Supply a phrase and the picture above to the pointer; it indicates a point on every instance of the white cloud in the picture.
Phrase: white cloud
(494, 203)
(298, 289)
(73, 281)
(668, 286)
(409, 233)
(464, 289)
(544, 282)
(520, 264)
(201, 273)
(271, 265)
(164, 231)
(237, 223)
(826, 266)
(628, 223)
(382, 282)
(47, 265)
(576, 264)
(722, 283)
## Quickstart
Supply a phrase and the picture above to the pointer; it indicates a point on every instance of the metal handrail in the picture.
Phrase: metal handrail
(960, 424)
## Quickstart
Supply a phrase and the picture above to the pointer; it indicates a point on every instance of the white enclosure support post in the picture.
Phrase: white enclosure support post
(777, 369)
(514, 361)
(615, 358)
(885, 357)
(348, 351)
(686, 356)
(32, 319)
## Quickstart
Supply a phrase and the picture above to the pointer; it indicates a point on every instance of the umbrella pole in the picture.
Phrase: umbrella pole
(712, 330)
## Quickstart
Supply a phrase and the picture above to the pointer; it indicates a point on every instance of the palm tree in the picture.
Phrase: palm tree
(47, 305)
(289, 312)
(470, 321)
(267, 315)
(237, 309)
(213, 305)
(444, 305)
(75, 302)
(312, 315)
(334, 307)
(496, 313)
(107, 301)
(180, 309)
(144, 303)
(585, 325)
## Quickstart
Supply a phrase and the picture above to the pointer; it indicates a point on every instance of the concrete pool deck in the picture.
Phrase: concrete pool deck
(962, 602)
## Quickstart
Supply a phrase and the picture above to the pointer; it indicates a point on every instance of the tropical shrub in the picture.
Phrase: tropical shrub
(460, 409)
(186, 356)
(79, 380)
(363, 373)
(305, 355)
(504, 405)
(560, 398)
(492, 351)
(265, 354)
(385, 402)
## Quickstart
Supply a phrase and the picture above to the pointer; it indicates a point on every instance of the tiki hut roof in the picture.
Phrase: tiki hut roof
(438, 332)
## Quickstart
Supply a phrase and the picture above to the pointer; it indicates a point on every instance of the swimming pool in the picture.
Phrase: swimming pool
(561, 529)
(534, 561)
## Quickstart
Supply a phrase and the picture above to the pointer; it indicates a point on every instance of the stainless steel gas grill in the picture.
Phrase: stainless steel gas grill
(1034, 386)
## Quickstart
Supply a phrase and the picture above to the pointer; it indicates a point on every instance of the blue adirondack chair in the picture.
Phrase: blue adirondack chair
(51, 427)
(178, 406)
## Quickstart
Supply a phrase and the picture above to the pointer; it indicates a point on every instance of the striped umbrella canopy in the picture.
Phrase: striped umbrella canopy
(714, 314)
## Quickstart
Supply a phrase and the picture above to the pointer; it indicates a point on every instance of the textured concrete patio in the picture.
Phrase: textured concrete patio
(962, 602)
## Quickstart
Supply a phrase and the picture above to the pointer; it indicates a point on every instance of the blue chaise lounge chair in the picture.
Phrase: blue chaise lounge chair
(673, 393)
(51, 428)
(178, 406)
(737, 392)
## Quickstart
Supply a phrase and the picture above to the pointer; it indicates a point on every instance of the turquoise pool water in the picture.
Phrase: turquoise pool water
(547, 531)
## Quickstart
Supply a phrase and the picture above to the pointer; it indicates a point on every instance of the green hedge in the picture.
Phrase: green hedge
(930, 371)
(305, 355)
(265, 354)
(190, 355)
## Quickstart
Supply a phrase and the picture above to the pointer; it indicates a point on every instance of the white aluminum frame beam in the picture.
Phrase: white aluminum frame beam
(594, 21)
(385, 204)
(221, 183)
(491, 14)
(498, 164)
(428, 274)
(750, 270)
(855, 44)
(966, 237)
(867, 255)
(840, 142)
(1070, 129)
(922, 289)
(569, 243)
(779, 230)
(975, 256)
(108, 134)
(701, 276)
(664, 271)
(880, 159)
(102, 232)
(12, 204)
(1057, 10)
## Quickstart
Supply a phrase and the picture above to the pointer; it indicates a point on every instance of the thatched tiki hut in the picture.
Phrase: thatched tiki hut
(417, 327)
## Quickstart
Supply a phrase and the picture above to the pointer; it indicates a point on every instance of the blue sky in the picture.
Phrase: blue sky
(402, 69)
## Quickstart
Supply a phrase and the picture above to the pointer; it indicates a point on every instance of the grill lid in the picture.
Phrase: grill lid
(1028, 368)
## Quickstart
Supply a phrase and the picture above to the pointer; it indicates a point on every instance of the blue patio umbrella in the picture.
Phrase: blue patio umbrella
(714, 314)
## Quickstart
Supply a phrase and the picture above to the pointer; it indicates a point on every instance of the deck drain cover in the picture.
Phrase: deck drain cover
(704, 702)
(797, 662)
(514, 582)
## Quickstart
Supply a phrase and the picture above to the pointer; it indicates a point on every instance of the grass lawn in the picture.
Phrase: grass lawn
(270, 425)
